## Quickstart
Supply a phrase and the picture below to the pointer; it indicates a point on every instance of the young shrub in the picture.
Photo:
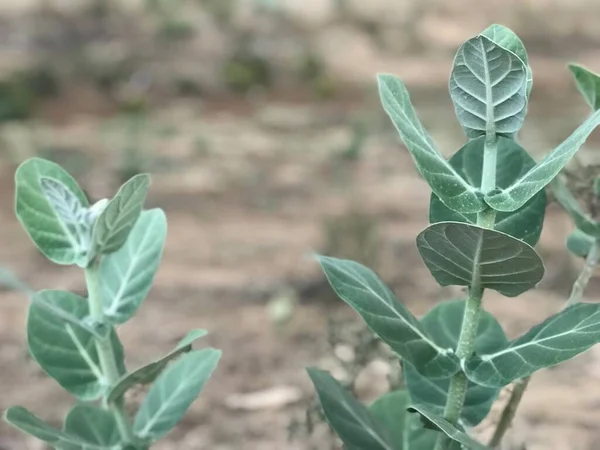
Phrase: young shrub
(119, 247)
(486, 214)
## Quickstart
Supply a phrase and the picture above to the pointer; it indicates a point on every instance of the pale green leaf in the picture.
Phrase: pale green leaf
(93, 425)
(67, 352)
(173, 393)
(356, 426)
(447, 428)
(566, 199)
(507, 39)
(557, 339)
(444, 323)
(443, 179)
(465, 255)
(362, 289)
(588, 84)
(127, 274)
(579, 243)
(512, 198)
(488, 86)
(512, 162)
(148, 373)
(120, 215)
(51, 215)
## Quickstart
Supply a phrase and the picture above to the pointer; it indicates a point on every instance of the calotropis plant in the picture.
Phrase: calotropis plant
(119, 246)
(486, 213)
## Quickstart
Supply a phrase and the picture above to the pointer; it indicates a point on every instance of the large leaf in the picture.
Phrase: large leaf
(507, 39)
(444, 323)
(50, 206)
(93, 425)
(453, 432)
(443, 179)
(465, 255)
(173, 393)
(127, 274)
(511, 163)
(148, 373)
(360, 288)
(25, 421)
(588, 84)
(405, 430)
(579, 243)
(65, 351)
(488, 86)
(512, 198)
(557, 339)
(120, 215)
(566, 199)
(356, 426)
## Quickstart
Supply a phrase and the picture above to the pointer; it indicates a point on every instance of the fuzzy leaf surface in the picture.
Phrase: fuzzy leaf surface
(579, 243)
(93, 425)
(588, 84)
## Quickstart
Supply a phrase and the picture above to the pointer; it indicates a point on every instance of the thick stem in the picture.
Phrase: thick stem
(488, 173)
(577, 292)
(104, 347)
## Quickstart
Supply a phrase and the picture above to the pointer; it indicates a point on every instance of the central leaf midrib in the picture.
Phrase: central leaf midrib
(490, 126)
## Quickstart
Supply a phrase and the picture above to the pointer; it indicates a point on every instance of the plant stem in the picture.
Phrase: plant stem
(488, 173)
(104, 347)
(516, 395)
(585, 275)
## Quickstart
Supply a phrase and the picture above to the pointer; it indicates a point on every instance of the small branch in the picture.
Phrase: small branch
(586, 274)
(509, 412)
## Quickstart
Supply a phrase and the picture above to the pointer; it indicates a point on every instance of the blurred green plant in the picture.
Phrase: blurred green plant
(119, 246)
(486, 212)
(245, 70)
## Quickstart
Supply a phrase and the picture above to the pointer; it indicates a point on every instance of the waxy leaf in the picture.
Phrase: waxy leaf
(127, 274)
(579, 243)
(488, 86)
(512, 198)
(25, 421)
(507, 39)
(588, 84)
(173, 393)
(51, 207)
(405, 430)
(443, 179)
(356, 426)
(120, 215)
(511, 163)
(148, 373)
(444, 323)
(362, 289)
(453, 432)
(557, 339)
(582, 220)
(93, 425)
(465, 255)
(67, 352)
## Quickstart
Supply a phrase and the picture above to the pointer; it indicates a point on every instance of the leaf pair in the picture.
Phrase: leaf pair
(56, 213)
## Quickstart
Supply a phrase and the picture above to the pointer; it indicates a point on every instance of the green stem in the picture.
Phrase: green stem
(104, 347)
(488, 173)
(577, 292)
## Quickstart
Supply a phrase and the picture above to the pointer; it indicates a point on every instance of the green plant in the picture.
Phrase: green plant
(119, 247)
(486, 213)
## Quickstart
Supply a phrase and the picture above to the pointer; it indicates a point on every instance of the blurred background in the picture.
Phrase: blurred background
(261, 125)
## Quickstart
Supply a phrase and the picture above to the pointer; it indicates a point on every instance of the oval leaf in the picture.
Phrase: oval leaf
(444, 323)
(360, 288)
(148, 373)
(520, 192)
(488, 86)
(466, 255)
(51, 206)
(113, 225)
(579, 243)
(443, 179)
(93, 425)
(512, 161)
(356, 426)
(173, 393)
(557, 339)
(128, 273)
(588, 84)
(67, 352)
